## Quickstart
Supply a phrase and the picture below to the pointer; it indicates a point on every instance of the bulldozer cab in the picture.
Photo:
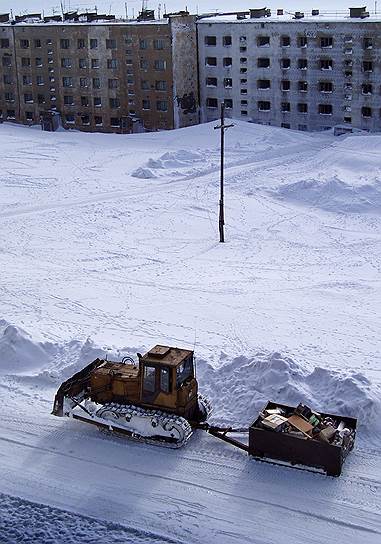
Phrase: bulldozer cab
(168, 379)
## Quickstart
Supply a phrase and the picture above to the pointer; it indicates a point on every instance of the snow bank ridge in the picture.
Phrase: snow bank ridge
(239, 388)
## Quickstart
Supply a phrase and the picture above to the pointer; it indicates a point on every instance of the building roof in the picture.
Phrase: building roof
(166, 355)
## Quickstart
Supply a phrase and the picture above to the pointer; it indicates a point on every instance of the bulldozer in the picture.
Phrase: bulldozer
(155, 399)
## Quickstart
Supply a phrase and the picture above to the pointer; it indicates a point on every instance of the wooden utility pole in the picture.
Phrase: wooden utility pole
(222, 127)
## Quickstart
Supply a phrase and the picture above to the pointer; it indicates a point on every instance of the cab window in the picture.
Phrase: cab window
(149, 378)
(164, 380)
(184, 371)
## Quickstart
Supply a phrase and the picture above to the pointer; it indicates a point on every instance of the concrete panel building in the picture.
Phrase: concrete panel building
(100, 74)
(305, 72)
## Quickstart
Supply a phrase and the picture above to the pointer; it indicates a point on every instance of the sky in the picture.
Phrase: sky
(118, 6)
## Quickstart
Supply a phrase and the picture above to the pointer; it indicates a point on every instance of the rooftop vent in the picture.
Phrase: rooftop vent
(315, 12)
(146, 15)
(259, 13)
(4, 17)
(21, 18)
(53, 18)
(358, 13)
(298, 15)
(279, 11)
(181, 13)
(71, 16)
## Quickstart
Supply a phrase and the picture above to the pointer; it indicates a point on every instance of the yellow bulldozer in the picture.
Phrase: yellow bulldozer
(155, 399)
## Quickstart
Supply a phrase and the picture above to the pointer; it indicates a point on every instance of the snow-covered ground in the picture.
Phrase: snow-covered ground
(109, 244)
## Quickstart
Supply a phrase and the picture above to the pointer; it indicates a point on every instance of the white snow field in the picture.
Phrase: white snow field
(109, 245)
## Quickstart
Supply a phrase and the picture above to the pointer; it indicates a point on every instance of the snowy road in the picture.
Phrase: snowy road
(116, 239)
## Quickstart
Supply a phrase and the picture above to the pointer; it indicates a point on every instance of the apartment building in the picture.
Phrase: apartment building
(300, 71)
(100, 75)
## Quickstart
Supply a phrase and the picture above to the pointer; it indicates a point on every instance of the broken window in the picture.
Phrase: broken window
(325, 86)
(285, 85)
(285, 63)
(264, 105)
(210, 40)
(326, 64)
(285, 107)
(81, 44)
(325, 109)
(38, 61)
(211, 82)
(368, 42)
(226, 41)
(302, 107)
(211, 61)
(98, 120)
(228, 82)
(366, 111)
(302, 86)
(149, 371)
(263, 41)
(366, 88)
(263, 63)
(4, 43)
(211, 103)
(164, 379)
(285, 41)
(263, 84)
(24, 44)
(93, 43)
(327, 41)
(367, 66)
(115, 122)
(302, 41)
(227, 61)
(302, 64)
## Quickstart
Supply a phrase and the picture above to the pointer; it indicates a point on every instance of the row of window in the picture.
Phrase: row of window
(82, 43)
(285, 41)
(285, 107)
(285, 63)
(158, 64)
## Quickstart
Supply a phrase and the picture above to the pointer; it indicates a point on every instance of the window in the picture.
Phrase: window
(263, 84)
(243, 49)
(263, 63)
(146, 105)
(85, 119)
(302, 41)
(326, 64)
(67, 81)
(38, 61)
(210, 40)
(27, 80)
(160, 85)
(211, 103)
(161, 105)
(96, 83)
(70, 119)
(285, 125)
(243, 81)
(82, 63)
(4, 43)
(325, 86)
(264, 105)
(228, 103)
(158, 44)
(243, 70)
(93, 43)
(366, 112)
(348, 39)
(39, 80)
(211, 61)
(302, 64)
(302, 108)
(9, 97)
(302, 86)
(94, 63)
(366, 88)
(115, 122)
(110, 44)
(144, 84)
(11, 114)
(85, 101)
(326, 42)
(285, 85)
(347, 119)
(226, 41)
(144, 64)
(242, 40)
(263, 41)
(184, 371)
(228, 82)
(285, 107)
(325, 109)
(243, 91)
(65, 43)
(66, 63)
(143, 44)
(113, 83)
(41, 99)
(368, 43)
(159, 64)
(285, 63)
(114, 103)
(129, 62)
(83, 82)
(243, 102)
(285, 41)
(7, 79)
(149, 371)
(24, 44)
(164, 380)
(28, 98)
(211, 82)
(25, 61)
(49, 41)
(112, 63)
(367, 66)
(243, 112)
(98, 120)
(97, 101)
(81, 43)
(7, 61)
(227, 61)
(69, 100)
(302, 127)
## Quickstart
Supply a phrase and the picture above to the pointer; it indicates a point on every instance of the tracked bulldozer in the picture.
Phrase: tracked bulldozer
(155, 400)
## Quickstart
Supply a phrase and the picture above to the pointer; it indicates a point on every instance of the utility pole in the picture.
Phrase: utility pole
(222, 127)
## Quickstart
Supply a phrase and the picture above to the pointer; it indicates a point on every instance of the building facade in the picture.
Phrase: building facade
(105, 76)
(304, 73)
